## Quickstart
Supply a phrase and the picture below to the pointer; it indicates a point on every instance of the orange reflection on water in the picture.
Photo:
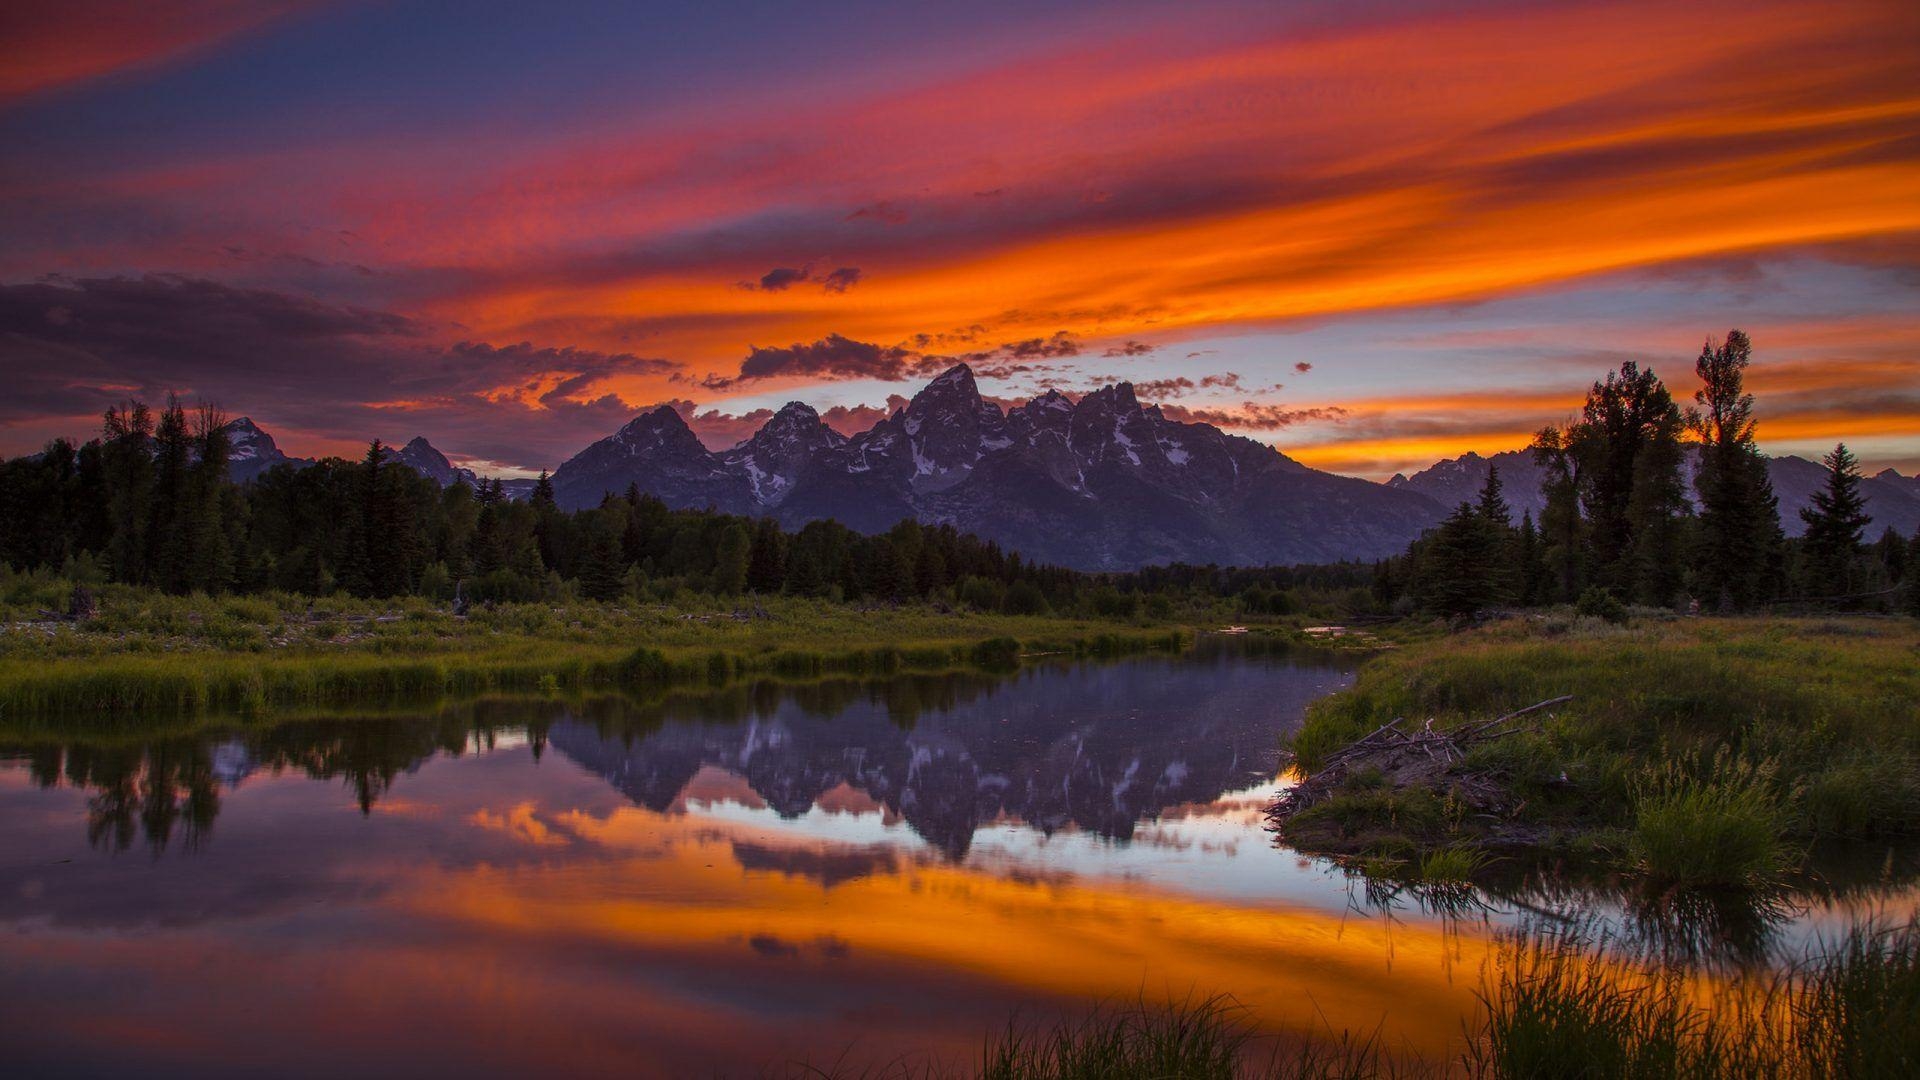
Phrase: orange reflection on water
(673, 884)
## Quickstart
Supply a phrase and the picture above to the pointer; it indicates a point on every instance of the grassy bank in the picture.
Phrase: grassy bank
(1694, 752)
(152, 654)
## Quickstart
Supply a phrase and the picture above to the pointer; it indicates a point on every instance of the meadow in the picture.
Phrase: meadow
(153, 654)
(1693, 752)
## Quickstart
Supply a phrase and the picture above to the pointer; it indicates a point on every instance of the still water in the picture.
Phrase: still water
(711, 884)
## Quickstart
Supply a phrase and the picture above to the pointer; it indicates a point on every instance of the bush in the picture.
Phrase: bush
(1598, 603)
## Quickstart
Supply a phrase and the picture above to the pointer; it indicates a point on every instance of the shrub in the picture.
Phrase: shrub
(1598, 603)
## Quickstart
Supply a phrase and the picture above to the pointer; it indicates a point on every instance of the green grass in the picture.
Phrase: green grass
(1718, 825)
(158, 655)
(1557, 1008)
(1800, 731)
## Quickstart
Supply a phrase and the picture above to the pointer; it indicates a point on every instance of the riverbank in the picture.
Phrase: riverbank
(1690, 752)
(144, 652)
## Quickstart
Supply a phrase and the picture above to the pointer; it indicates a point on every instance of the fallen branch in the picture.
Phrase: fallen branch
(1429, 757)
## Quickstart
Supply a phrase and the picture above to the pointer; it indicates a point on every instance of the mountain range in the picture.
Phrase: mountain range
(254, 452)
(1101, 483)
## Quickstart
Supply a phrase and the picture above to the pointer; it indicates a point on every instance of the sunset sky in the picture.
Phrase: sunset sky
(1371, 234)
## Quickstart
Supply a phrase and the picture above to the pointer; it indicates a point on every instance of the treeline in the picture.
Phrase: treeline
(1618, 528)
(149, 503)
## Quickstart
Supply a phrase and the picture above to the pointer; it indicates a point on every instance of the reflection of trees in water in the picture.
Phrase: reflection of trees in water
(168, 788)
(147, 790)
(157, 788)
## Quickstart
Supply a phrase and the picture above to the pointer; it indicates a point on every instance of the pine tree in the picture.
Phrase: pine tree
(602, 573)
(546, 527)
(170, 532)
(1913, 575)
(1739, 530)
(1835, 523)
(211, 560)
(1614, 495)
(1492, 505)
(1561, 530)
(731, 560)
(1534, 575)
(1460, 571)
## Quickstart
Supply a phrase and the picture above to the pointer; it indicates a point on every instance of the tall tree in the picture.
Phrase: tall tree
(1835, 523)
(1492, 504)
(170, 554)
(1562, 533)
(1459, 563)
(1622, 458)
(127, 468)
(210, 565)
(1739, 530)
(732, 560)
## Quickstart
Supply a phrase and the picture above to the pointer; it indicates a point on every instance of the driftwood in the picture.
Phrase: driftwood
(1423, 757)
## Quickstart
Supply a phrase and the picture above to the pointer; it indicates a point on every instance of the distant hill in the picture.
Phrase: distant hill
(254, 452)
(1892, 499)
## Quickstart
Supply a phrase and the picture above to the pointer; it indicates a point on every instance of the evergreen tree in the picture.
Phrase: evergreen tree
(170, 534)
(1622, 459)
(1739, 530)
(732, 559)
(1461, 565)
(546, 522)
(1534, 574)
(1562, 533)
(1491, 504)
(211, 559)
(1913, 575)
(602, 573)
(127, 468)
(1835, 523)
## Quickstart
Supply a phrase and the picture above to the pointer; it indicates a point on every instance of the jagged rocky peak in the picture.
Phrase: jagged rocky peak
(942, 433)
(796, 420)
(251, 450)
(784, 449)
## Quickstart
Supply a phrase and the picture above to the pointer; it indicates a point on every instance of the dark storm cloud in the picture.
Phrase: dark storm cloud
(781, 278)
(70, 348)
(839, 357)
(1060, 344)
(1131, 348)
(832, 357)
(841, 279)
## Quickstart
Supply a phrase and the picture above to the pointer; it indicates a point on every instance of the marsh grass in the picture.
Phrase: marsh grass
(160, 655)
(1717, 825)
(1809, 728)
(1558, 1008)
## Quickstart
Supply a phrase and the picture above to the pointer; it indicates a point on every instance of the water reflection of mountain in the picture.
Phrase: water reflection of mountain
(1099, 748)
